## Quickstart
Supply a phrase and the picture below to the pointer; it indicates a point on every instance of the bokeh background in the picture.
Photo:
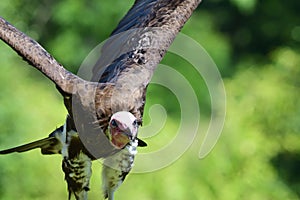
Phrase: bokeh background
(255, 45)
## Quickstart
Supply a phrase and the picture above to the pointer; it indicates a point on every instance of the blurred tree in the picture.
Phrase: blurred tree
(263, 125)
(255, 28)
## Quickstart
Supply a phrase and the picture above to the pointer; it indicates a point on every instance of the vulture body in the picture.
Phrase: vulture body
(118, 83)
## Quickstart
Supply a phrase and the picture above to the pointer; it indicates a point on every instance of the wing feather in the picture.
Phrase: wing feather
(136, 46)
(32, 145)
(157, 20)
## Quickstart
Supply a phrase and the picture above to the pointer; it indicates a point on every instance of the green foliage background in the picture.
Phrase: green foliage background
(254, 43)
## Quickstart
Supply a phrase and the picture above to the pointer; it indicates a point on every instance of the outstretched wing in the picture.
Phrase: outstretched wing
(148, 25)
(120, 77)
(128, 60)
(32, 145)
(50, 145)
(38, 57)
(139, 42)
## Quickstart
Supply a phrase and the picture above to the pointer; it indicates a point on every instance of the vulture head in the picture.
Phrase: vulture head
(123, 128)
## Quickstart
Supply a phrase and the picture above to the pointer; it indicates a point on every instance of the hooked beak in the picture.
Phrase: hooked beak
(119, 138)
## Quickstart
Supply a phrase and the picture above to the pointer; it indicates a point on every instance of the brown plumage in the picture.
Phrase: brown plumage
(121, 75)
(166, 17)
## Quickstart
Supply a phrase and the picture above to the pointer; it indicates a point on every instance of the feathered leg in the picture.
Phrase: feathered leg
(116, 167)
(77, 166)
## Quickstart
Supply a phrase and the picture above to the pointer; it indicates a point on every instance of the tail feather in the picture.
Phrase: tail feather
(32, 145)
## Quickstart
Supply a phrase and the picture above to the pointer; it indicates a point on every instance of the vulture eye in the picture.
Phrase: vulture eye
(113, 123)
(135, 123)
